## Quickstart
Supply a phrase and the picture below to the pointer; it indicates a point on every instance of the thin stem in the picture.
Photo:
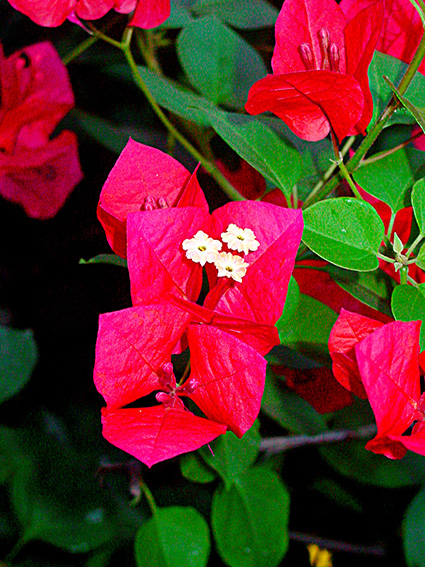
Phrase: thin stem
(149, 498)
(279, 444)
(390, 226)
(81, 48)
(207, 165)
(413, 246)
(385, 258)
(340, 162)
(376, 129)
(334, 545)
(387, 153)
(412, 281)
(328, 174)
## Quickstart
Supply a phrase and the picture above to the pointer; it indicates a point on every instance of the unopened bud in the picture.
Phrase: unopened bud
(306, 55)
(162, 203)
(334, 57)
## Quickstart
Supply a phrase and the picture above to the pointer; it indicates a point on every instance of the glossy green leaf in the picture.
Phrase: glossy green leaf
(408, 304)
(418, 203)
(111, 259)
(417, 112)
(288, 409)
(420, 259)
(414, 531)
(309, 328)
(390, 178)
(291, 302)
(218, 62)
(173, 537)
(110, 135)
(194, 468)
(386, 65)
(250, 520)
(260, 146)
(344, 231)
(243, 14)
(230, 456)
(18, 357)
(351, 459)
(371, 288)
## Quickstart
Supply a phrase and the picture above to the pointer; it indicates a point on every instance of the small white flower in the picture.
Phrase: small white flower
(240, 239)
(230, 266)
(201, 248)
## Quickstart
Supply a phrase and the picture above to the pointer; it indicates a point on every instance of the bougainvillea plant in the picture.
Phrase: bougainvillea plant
(254, 189)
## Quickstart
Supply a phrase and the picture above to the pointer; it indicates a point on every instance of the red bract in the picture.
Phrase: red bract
(143, 178)
(320, 65)
(401, 29)
(389, 369)
(148, 13)
(348, 331)
(35, 171)
(132, 360)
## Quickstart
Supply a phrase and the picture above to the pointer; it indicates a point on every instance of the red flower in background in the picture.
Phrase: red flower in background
(36, 171)
(320, 65)
(147, 13)
(401, 28)
(381, 362)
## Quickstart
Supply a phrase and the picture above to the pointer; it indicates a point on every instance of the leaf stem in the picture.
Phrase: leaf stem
(340, 162)
(413, 246)
(149, 498)
(385, 258)
(207, 165)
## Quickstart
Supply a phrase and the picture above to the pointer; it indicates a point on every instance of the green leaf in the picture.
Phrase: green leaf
(231, 456)
(291, 302)
(111, 259)
(193, 468)
(260, 146)
(394, 69)
(417, 112)
(218, 62)
(420, 258)
(250, 520)
(353, 461)
(18, 357)
(173, 537)
(309, 328)
(401, 167)
(418, 203)
(344, 231)
(243, 14)
(414, 531)
(408, 304)
(53, 490)
(371, 288)
(110, 135)
(173, 97)
(288, 409)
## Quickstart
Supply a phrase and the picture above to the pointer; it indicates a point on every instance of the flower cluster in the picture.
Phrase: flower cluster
(36, 171)
(227, 336)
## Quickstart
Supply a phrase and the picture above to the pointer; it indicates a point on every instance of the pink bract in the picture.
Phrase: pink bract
(147, 13)
(36, 171)
(389, 369)
(141, 177)
(320, 65)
